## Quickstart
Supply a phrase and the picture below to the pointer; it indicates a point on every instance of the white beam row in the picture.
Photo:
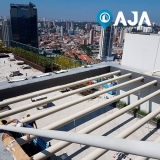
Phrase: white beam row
(53, 89)
(60, 145)
(23, 140)
(44, 102)
(99, 152)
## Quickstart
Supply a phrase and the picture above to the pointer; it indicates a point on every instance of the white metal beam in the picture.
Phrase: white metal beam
(53, 89)
(149, 149)
(44, 102)
(146, 158)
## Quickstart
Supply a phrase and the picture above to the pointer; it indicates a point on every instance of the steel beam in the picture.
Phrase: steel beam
(149, 149)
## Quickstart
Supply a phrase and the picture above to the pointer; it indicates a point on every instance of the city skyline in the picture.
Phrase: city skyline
(85, 10)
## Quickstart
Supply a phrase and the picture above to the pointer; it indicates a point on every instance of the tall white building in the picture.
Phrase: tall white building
(115, 34)
(98, 28)
(61, 31)
(57, 29)
(0, 30)
(39, 25)
(72, 25)
(6, 32)
(49, 24)
(67, 25)
(77, 28)
(88, 26)
(91, 36)
(121, 37)
(106, 42)
(54, 23)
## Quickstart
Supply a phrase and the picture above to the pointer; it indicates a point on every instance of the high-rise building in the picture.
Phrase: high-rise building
(106, 42)
(91, 36)
(121, 37)
(61, 31)
(88, 26)
(39, 25)
(0, 30)
(85, 41)
(24, 24)
(115, 35)
(77, 28)
(54, 23)
(44, 19)
(49, 24)
(67, 25)
(72, 25)
(6, 32)
(98, 28)
(57, 29)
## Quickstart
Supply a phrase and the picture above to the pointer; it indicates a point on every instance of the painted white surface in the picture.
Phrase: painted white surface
(142, 52)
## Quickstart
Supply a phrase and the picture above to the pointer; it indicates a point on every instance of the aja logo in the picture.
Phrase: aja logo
(105, 18)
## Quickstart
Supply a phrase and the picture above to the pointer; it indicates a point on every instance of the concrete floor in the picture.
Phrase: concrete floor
(7, 66)
(77, 151)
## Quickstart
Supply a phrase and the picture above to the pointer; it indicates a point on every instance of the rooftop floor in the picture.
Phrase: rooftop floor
(8, 66)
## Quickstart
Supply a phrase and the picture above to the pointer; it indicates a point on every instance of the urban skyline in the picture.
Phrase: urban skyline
(86, 11)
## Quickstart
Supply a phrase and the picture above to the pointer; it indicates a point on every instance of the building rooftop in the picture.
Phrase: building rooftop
(8, 66)
(48, 112)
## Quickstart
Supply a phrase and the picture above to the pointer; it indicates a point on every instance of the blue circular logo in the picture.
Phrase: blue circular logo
(104, 18)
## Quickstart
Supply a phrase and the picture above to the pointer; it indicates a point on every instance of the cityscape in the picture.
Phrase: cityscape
(67, 86)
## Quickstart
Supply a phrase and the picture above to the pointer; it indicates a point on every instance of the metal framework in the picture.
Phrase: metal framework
(64, 121)
(44, 102)
(53, 89)
(99, 152)
(94, 126)
(145, 149)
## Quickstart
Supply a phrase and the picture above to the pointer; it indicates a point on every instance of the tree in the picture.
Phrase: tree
(1, 45)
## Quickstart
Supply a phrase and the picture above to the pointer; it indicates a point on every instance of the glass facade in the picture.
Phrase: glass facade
(24, 24)
(106, 41)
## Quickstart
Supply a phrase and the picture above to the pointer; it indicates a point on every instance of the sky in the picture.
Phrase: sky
(86, 10)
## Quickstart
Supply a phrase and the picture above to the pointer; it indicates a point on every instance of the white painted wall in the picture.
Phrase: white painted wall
(142, 52)
(148, 106)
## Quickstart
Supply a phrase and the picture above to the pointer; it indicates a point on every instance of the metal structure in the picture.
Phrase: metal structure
(24, 140)
(53, 89)
(144, 149)
(66, 105)
(141, 148)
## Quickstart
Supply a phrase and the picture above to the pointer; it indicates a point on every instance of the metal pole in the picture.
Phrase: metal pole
(149, 149)
(99, 152)
(45, 91)
(146, 158)
(96, 125)
(58, 108)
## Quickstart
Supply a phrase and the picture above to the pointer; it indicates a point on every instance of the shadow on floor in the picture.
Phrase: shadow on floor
(107, 133)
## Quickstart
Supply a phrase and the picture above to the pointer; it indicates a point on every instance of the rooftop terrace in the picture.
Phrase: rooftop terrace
(94, 114)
